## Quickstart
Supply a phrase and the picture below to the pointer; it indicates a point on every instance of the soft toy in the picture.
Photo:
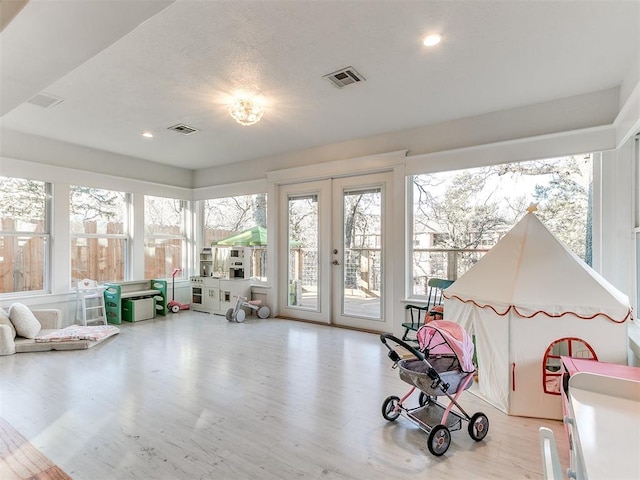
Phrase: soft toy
(436, 313)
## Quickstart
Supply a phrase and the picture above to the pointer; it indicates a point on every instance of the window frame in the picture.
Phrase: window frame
(411, 243)
(125, 236)
(45, 235)
(261, 252)
(184, 204)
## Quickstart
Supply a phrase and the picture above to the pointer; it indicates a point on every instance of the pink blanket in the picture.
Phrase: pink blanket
(92, 333)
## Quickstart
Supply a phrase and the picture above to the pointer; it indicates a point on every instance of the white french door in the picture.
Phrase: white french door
(333, 259)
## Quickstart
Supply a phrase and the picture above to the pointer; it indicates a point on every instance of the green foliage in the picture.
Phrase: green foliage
(163, 215)
(92, 204)
(303, 220)
(471, 208)
(563, 206)
(22, 199)
(465, 213)
(235, 214)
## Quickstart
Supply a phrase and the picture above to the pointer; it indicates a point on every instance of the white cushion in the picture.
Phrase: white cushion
(23, 319)
(7, 345)
(4, 320)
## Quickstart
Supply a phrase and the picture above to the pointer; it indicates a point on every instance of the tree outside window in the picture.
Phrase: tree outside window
(459, 215)
(99, 235)
(164, 237)
(229, 216)
(24, 235)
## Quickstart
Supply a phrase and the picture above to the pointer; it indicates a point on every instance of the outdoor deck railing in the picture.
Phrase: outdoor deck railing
(447, 263)
(363, 266)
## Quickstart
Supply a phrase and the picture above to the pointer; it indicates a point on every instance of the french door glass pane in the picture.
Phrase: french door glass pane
(362, 259)
(303, 252)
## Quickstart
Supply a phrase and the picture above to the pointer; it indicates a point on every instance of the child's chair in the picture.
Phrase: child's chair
(90, 306)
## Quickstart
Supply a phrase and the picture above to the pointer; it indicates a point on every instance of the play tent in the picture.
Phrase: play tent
(527, 301)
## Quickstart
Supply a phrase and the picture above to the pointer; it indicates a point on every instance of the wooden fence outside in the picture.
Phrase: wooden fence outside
(22, 268)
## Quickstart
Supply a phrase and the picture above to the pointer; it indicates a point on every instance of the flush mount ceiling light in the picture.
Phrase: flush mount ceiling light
(245, 111)
(432, 40)
(147, 134)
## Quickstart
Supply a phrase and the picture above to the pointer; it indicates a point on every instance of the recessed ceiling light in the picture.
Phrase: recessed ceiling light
(147, 134)
(431, 40)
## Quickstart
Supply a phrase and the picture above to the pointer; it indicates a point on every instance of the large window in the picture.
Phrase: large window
(242, 221)
(24, 235)
(164, 237)
(458, 216)
(99, 234)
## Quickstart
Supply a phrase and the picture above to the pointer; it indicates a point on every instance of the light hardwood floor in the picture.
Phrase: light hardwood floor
(191, 396)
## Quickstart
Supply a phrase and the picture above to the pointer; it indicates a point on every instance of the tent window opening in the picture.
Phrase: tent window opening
(552, 364)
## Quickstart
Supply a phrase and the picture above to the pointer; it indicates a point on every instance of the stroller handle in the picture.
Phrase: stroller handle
(387, 336)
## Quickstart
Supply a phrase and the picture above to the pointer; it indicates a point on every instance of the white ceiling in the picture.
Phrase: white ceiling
(125, 67)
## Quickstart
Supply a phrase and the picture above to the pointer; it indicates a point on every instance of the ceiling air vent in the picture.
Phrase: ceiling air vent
(45, 100)
(183, 129)
(344, 77)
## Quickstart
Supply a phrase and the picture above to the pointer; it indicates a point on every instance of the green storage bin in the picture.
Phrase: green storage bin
(137, 309)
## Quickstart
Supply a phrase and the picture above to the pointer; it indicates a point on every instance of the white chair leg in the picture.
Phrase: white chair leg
(82, 310)
(102, 311)
(551, 467)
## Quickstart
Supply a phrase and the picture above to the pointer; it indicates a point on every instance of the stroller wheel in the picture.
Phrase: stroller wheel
(424, 399)
(240, 315)
(389, 411)
(478, 426)
(439, 440)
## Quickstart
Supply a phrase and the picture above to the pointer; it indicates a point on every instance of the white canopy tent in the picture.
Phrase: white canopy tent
(526, 293)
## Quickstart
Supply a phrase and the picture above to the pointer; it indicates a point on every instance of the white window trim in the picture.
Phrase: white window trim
(186, 214)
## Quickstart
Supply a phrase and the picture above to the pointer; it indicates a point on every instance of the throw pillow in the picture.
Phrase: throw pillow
(4, 320)
(7, 345)
(23, 319)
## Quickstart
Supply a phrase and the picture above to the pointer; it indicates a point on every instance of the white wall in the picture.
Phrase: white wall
(565, 115)
(584, 123)
(20, 146)
(616, 250)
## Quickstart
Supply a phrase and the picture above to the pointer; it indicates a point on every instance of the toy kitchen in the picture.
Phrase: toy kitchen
(225, 273)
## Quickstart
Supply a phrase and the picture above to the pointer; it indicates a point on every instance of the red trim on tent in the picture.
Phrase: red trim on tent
(515, 309)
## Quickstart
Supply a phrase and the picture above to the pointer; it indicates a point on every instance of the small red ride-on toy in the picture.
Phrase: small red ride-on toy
(173, 305)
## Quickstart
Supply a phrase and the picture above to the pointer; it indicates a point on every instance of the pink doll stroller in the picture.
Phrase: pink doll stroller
(442, 367)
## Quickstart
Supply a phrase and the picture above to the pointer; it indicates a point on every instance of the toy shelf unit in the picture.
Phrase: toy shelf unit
(206, 262)
(135, 301)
